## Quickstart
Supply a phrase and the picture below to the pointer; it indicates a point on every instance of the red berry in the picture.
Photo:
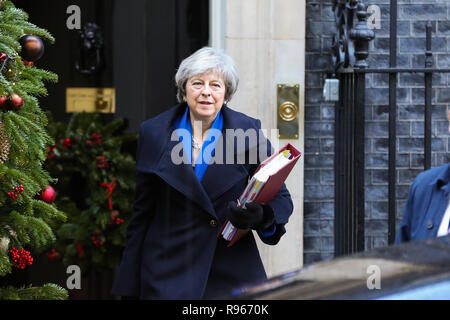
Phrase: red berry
(21, 258)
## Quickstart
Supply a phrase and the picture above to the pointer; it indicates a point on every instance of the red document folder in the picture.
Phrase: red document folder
(271, 187)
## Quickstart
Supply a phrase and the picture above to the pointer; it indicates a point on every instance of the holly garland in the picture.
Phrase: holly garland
(95, 189)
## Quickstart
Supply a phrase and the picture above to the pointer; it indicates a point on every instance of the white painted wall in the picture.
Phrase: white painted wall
(266, 38)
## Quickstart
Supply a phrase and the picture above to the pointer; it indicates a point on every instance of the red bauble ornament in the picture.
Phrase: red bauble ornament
(16, 101)
(48, 195)
(32, 47)
(3, 102)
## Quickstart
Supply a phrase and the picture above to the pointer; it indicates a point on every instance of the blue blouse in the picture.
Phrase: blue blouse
(204, 158)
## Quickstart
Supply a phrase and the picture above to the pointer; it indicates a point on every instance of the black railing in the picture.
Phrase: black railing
(350, 50)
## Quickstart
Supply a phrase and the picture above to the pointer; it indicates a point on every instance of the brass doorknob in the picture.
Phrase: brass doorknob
(288, 111)
(101, 104)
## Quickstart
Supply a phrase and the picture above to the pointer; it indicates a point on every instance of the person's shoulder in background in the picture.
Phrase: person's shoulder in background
(432, 175)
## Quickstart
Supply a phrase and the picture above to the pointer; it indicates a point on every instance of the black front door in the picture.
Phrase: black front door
(144, 42)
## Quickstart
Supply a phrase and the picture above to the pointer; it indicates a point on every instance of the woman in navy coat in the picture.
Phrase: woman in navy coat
(185, 192)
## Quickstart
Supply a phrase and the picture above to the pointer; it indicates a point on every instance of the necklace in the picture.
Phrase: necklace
(195, 144)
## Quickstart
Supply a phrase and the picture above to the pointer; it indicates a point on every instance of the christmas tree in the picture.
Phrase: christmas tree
(95, 189)
(25, 220)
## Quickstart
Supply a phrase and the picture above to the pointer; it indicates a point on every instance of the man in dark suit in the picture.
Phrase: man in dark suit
(173, 250)
(427, 211)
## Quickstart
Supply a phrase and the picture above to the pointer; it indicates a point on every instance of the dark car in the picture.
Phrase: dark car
(415, 270)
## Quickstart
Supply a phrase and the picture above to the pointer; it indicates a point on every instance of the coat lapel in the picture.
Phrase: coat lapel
(180, 176)
(220, 176)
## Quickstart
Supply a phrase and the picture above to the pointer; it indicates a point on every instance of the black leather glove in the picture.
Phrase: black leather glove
(255, 216)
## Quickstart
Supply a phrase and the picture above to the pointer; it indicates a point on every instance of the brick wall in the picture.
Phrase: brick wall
(319, 117)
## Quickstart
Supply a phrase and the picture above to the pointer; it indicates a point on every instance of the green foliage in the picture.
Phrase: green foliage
(5, 265)
(48, 291)
(25, 221)
(91, 237)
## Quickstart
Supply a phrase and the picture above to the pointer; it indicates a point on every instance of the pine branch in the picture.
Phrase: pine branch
(6, 48)
(5, 264)
(19, 224)
(40, 231)
(38, 116)
(16, 141)
(11, 29)
(26, 125)
(9, 293)
(31, 88)
(5, 87)
(31, 105)
(31, 138)
(15, 176)
(5, 39)
(48, 291)
(12, 13)
(40, 74)
(3, 170)
(29, 28)
(48, 212)
(40, 177)
(31, 230)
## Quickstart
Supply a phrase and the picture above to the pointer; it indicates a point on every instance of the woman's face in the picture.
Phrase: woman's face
(205, 94)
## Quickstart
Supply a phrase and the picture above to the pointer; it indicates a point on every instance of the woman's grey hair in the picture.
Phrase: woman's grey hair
(203, 61)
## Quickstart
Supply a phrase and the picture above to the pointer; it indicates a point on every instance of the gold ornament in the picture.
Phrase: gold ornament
(4, 144)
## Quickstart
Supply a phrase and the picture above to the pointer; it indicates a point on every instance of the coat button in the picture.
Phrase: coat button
(429, 225)
(213, 223)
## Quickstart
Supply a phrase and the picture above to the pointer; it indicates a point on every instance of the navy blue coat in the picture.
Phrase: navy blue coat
(426, 205)
(172, 249)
